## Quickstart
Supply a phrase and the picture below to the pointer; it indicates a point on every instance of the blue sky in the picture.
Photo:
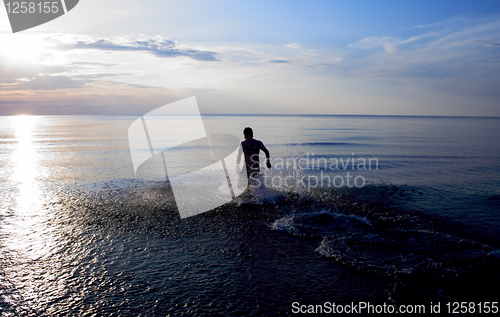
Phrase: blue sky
(328, 57)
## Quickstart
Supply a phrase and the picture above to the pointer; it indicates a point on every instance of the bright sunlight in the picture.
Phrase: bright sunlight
(22, 48)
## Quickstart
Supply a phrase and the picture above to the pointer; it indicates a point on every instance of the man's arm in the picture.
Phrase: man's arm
(265, 150)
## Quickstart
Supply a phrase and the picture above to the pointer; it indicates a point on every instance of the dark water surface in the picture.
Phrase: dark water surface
(82, 235)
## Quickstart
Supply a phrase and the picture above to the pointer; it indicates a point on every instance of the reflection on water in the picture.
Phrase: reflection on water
(27, 241)
(26, 170)
(26, 225)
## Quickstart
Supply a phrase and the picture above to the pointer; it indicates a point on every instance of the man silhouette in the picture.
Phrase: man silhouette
(251, 149)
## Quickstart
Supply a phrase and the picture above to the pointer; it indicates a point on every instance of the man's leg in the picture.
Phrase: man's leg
(252, 174)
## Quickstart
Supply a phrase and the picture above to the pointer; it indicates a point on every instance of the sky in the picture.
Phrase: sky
(257, 57)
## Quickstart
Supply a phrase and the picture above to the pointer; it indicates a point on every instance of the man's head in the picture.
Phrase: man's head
(248, 133)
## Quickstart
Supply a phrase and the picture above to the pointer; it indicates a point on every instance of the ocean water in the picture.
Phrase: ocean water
(396, 210)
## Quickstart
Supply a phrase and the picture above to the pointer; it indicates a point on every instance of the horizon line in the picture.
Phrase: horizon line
(278, 115)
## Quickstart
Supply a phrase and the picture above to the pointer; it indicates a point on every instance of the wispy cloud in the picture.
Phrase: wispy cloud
(447, 52)
(293, 45)
(386, 43)
(157, 45)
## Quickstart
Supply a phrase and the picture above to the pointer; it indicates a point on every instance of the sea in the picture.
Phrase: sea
(360, 215)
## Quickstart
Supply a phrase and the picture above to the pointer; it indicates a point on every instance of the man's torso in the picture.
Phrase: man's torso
(251, 148)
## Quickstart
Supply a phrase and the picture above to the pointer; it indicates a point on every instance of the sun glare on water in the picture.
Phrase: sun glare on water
(25, 162)
(28, 240)
(26, 227)
(25, 158)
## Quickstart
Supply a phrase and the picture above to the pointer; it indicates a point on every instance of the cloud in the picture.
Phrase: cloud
(425, 26)
(482, 42)
(92, 64)
(279, 61)
(293, 45)
(158, 46)
(25, 75)
(49, 82)
(25, 69)
(452, 51)
(387, 43)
